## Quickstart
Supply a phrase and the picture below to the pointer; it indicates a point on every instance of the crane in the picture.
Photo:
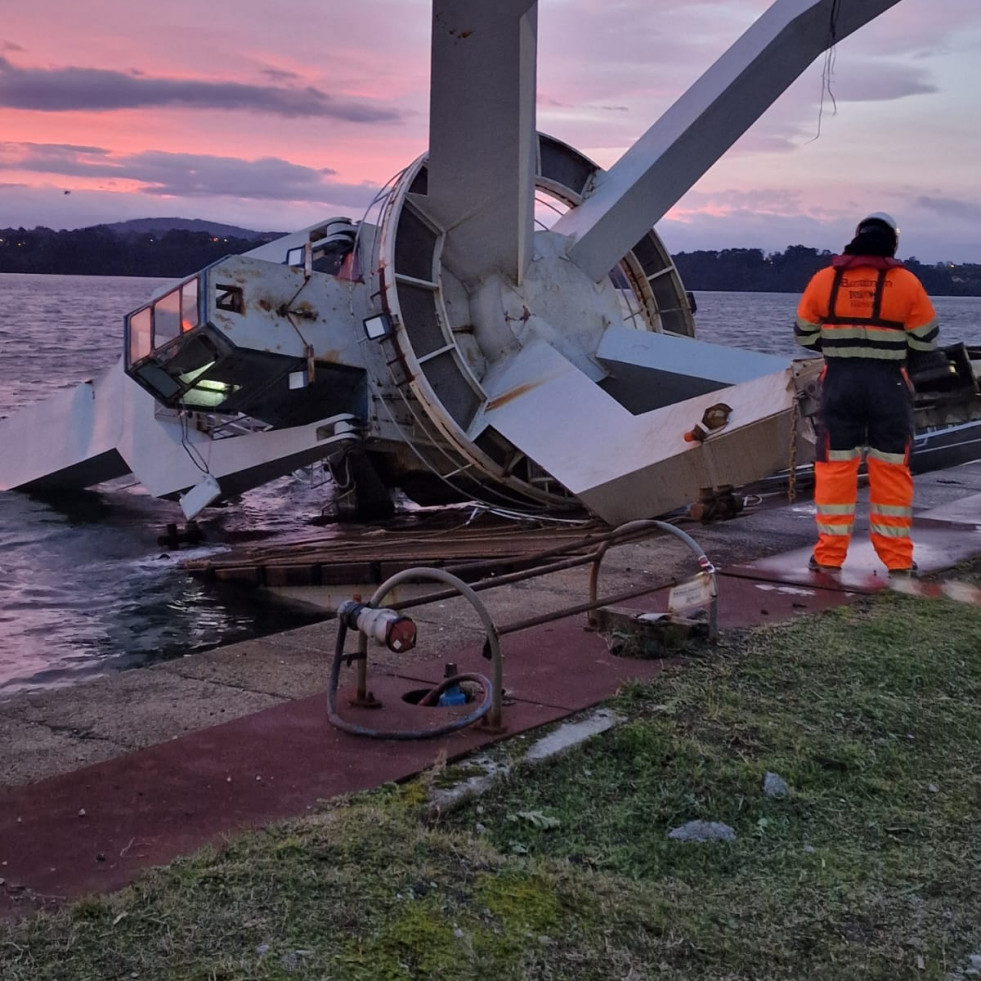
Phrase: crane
(504, 323)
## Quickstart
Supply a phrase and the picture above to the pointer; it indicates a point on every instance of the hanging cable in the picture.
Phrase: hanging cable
(420, 424)
(189, 448)
(828, 68)
(343, 488)
(508, 515)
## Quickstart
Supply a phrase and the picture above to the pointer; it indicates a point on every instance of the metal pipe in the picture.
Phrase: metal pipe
(627, 530)
(358, 730)
(493, 644)
(362, 695)
(512, 577)
(510, 628)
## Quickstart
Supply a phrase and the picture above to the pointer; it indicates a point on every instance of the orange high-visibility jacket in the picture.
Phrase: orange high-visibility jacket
(865, 307)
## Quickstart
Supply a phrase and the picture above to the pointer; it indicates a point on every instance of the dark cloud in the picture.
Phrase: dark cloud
(951, 208)
(280, 75)
(94, 89)
(189, 175)
(56, 152)
(10, 46)
(579, 108)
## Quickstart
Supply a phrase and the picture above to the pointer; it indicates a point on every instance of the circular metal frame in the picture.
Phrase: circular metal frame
(436, 360)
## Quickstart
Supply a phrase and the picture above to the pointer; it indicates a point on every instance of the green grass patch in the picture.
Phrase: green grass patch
(869, 868)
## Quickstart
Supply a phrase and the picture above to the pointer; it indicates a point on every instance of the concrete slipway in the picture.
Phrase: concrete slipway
(131, 770)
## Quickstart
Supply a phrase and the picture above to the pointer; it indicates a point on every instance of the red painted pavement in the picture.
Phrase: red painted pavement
(95, 828)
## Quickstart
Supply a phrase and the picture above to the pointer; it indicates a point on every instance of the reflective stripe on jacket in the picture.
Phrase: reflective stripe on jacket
(865, 307)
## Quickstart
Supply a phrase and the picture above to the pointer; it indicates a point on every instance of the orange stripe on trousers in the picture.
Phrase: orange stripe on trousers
(891, 484)
(835, 482)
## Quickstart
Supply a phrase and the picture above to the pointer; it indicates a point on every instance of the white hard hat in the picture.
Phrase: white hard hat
(880, 218)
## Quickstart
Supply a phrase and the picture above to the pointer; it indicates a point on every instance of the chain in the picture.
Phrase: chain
(792, 450)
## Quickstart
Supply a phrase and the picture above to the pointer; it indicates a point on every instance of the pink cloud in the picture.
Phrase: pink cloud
(606, 72)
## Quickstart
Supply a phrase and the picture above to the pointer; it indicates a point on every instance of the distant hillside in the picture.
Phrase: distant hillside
(124, 249)
(178, 247)
(148, 226)
(753, 270)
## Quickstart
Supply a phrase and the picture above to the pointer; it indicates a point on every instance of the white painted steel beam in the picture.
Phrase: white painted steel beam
(482, 138)
(109, 427)
(685, 356)
(647, 370)
(651, 177)
(164, 465)
(69, 439)
(168, 457)
(624, 466)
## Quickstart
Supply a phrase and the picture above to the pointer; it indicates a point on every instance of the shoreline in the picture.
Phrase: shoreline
(47, 732)
(183, 753)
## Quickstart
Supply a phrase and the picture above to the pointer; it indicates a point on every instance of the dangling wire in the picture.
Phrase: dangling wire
(189, 448)
(828, 69)
(344, 486)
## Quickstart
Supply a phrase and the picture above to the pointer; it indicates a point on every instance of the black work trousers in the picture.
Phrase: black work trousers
(865, 402)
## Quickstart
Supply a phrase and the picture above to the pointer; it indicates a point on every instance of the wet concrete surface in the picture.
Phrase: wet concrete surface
(103, 779)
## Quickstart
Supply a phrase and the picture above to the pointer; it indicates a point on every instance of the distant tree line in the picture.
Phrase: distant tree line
(754, 270)
(100, 251)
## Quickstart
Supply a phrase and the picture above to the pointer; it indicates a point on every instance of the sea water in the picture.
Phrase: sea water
(84, 584)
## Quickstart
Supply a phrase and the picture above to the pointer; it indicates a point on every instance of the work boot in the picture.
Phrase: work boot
(815, 566)
(909, 573)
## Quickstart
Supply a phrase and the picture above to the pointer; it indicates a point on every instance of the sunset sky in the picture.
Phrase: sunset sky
(276, 115)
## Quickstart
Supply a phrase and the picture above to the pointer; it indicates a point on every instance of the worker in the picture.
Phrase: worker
(865, 313)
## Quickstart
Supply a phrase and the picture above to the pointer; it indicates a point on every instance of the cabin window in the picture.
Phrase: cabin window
(140, 344)
(189, 305)
(229, 298)
(166, 318)
(158, 380)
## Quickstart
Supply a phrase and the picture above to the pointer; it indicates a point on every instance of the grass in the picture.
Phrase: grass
(869, 868)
